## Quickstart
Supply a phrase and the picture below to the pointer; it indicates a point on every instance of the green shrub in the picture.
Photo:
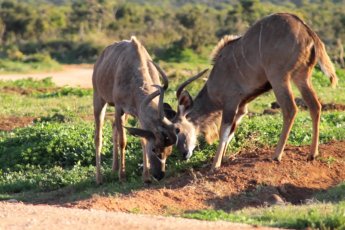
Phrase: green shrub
(66, 51)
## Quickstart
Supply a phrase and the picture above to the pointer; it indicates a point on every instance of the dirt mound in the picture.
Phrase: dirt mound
(9, 123)
(249, 179)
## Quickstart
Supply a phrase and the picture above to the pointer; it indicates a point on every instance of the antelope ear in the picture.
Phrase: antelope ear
(185, 103)
(140, 133)
(169, 112)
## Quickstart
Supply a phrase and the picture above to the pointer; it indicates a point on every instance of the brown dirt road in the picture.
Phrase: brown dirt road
(21, 216)
(70, 75)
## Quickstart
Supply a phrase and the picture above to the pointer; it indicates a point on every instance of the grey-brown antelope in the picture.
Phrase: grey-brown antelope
(124, 76)
(276, 50)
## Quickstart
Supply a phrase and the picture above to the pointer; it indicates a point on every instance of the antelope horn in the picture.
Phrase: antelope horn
(188, 81)
(164, 76)
(150, 97)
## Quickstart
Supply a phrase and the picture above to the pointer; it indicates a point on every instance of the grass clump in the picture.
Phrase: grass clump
(29, 83)
(31, 63)
(66, 91)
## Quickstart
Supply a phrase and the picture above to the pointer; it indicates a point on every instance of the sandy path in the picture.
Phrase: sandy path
(71, 75)
(22, 216)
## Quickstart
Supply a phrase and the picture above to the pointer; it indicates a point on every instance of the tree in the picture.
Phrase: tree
(16, 19)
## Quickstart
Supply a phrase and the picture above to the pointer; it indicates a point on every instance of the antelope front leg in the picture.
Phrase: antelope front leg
(227, 129)
(99, 113)
(243, 110)
(146, 163)
(115, 166)
(120, 118)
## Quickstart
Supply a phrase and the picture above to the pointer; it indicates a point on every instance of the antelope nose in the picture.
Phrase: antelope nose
(159, 176)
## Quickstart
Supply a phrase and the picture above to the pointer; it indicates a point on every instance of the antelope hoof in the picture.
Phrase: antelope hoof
(147, 181)
(147, 178)
(214, 168)
(311, 158)
(277, 158)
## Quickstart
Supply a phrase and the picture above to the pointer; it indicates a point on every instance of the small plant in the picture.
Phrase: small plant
(328, 160)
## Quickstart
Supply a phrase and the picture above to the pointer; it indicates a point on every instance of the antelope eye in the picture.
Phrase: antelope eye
(177, 130)
(153, 150)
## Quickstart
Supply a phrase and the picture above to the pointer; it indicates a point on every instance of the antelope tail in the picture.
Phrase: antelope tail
(324, 61)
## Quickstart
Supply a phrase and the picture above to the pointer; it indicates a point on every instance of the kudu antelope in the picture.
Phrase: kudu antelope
(124, 76)
(276, 50)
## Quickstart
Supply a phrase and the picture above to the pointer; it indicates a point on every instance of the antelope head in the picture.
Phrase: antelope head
(186, 129)
(159, 133)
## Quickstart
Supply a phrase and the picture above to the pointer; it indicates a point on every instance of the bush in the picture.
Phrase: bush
(66, 51)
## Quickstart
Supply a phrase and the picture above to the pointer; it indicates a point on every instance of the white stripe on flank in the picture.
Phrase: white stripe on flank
(244, 57)
(260, 40)
(237, 67)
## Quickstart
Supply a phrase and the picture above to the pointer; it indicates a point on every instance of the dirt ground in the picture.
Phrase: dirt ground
(71, 75)
(250, 179)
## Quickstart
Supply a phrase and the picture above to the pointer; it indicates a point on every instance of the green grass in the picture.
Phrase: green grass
(315, 216)
(28, 83)
(35, 106)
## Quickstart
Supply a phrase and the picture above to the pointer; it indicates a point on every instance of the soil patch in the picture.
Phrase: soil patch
(27, 91)
(249, 179)
(10, 123)
(70, 75)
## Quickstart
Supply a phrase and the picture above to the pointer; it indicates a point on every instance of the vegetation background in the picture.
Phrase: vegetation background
(75, 31)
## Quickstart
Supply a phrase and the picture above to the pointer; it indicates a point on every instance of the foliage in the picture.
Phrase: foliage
(32, 63)
(76, 31)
